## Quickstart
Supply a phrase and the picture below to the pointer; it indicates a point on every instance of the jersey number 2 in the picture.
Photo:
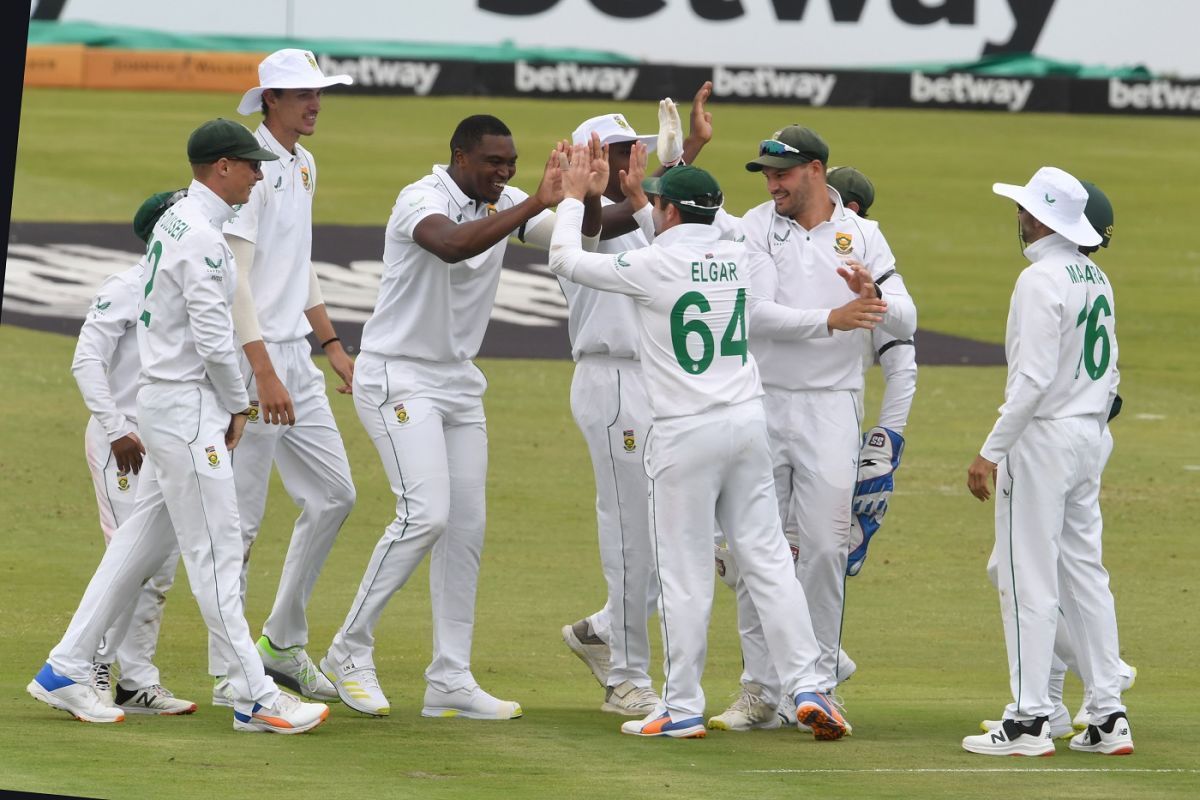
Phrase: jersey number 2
(680, 331)
(153, 255)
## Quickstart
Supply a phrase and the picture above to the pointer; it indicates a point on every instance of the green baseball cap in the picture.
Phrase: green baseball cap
(786, 148)
(223, 138)
(852, 185)
(1099, 212)
(687, 186)
(151, 209)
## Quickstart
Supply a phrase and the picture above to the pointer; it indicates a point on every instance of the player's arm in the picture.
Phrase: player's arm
(209, 321)
(772, 320)
(539, 231)
(113, 311)
(274, 402)
(318, 318)
(901, 318)
(898, 360)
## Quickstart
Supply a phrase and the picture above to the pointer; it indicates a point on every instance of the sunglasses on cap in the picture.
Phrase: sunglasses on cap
(168, 201)
(704, 202)
(774, 147)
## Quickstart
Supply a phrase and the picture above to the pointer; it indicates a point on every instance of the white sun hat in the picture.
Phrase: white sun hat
(1056, 199)
(288, 69)
(612, 128)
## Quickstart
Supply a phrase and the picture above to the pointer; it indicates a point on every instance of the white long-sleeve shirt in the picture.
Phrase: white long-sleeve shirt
(185, 331)
(1060, 343)
(106, 363)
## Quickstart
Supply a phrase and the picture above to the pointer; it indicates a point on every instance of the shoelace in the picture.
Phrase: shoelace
(158, 690)
(102, 677)
(369, 679)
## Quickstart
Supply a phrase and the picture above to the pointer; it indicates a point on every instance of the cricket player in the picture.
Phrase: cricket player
(707, 455)
(608, 402)
(192, 407)
(291, 424)
(1044, 454)
(1099, 214)
(106, 367)
(420, 397)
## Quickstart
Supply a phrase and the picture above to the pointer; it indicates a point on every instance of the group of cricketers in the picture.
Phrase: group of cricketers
(719, 382)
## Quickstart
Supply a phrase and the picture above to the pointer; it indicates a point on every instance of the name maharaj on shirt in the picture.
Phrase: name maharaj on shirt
(713, 271)
(1088, 274)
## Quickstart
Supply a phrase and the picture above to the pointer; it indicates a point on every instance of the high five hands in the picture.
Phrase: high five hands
(584, 169)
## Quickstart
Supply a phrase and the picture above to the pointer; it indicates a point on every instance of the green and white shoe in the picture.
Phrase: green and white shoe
(291, 667)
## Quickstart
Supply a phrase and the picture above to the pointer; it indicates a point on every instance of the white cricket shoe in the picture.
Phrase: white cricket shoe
(155, 699)
(1060, 724)
(1111, 738)
(1013, 738)
(822, 714)
(845, 667)
(79, 700)
(658, 723)
(630, 700)
(472, 703)
(222, 692)
(287, 714)
(357, 687)
(748, 712)
(102, 682)
(1128, 678)
(291, 667)
(591, 649)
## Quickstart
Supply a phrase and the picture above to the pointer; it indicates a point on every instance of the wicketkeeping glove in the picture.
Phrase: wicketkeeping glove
(878, 459)
(862, 528)
(670, 133)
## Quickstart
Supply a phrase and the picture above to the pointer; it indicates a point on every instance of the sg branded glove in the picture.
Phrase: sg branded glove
(877, 461)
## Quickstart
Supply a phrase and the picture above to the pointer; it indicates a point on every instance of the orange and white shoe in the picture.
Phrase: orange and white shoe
(287, 715)
(821, 715)
(658, 723)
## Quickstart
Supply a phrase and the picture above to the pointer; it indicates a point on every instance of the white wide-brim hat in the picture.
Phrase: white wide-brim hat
(1056, 199)
(611, 128)
(288, 69)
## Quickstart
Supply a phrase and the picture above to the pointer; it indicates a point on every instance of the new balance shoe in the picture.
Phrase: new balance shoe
(748, 712)
(1112, 738)
(357, 687)
(288, 714)
(630, 700)
(80, 700)
(822, 715)
(786, 711)
(591, 649)
(472, 703)
(1060, 724)
(1128, 678)
(102, 682)
(291, 667)
(222, 692)
(155, 699)
(1014, 738)
(658, 723)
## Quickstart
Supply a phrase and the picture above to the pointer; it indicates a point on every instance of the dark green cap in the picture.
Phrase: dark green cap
(793, 145)
(147, 215)
(690, 187)
(1099, 212)
(853, 186)
(223, 138)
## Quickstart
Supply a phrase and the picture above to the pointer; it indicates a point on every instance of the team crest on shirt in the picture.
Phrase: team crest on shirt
(630, 441)
(305, 179)
(401, 414)
(843, 244)
(214, 460)
(123, 480)
(253, 415)
(491, 209)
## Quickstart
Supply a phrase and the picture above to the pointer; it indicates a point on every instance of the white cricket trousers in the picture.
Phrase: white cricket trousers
(815, 440)
(1048, 555)
(426, 419)
(717, 465)
(185, 499)
(133, 638)
(312, 464)
(608, 401)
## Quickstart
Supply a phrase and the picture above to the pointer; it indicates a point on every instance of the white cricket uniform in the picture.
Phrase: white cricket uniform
(310, 455)
(813, 379)
(609, 403)
(1048, 444)
(106, 367)
(707, 455)
(190, 385)
(420, 397)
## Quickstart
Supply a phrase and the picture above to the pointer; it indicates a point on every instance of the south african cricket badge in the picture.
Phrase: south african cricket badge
(123, 480)
(253, 416)
(214, 460)
(630, 442)
(305, 179)
(401, 414)
(843, 244)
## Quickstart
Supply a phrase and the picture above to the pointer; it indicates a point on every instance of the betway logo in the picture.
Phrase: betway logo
(968, 89)
(1161, 94)
(616, 82)
(814, 87)
(371, 71)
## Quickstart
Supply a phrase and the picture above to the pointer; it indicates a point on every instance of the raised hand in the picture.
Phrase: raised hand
(857, 277)
(597, 165)
(631, 179)
(670, 133)
(700, 128)
(550, 192)
(575, 167)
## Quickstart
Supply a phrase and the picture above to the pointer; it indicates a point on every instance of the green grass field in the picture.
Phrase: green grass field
(922, 621)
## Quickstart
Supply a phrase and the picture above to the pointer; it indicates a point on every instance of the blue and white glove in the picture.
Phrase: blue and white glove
(877, 462)
(670, 133)
(862, 528)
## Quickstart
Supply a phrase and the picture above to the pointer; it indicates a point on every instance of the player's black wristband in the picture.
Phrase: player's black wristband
(328, 342)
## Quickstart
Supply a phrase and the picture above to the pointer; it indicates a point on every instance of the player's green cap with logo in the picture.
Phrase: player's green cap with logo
(786, 148)
(151, 209)
(1099, 212)
(223, 138)
(853, 186)
(690, 187)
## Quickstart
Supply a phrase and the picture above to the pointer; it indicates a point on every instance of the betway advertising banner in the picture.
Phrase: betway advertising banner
(834, 34)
